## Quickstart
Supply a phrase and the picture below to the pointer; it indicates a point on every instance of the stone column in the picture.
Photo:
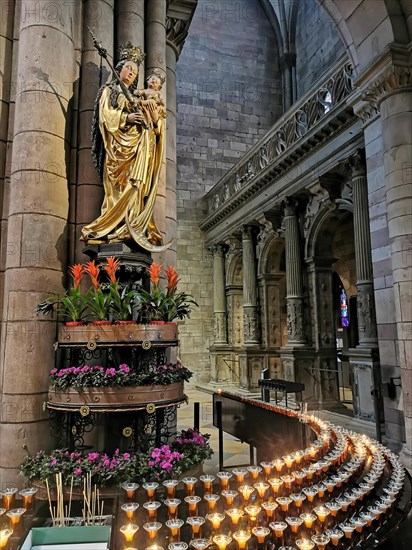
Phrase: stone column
(155, 48)
(220, 314)
(87, 199)
(294, 282)
(250, 309)
(37, 224)
(171, 173)
(130, 27)
(368, 337)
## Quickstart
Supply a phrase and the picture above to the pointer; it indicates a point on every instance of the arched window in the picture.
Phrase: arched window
(344, 314)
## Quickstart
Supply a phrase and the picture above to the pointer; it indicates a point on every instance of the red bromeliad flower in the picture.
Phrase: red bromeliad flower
(172, 279)
(154, 272)
(92, 269)
(111, 268)
(76, 271)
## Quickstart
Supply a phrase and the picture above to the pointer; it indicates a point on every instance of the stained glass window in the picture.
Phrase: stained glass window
(344, 314)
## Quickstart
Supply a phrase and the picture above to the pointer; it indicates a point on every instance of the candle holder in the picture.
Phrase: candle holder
(347, 528)
(278, 465)
(192, 503)
(305, 544)
(151, 508)
(335, 535)
(235, 514)
(344, 503)
(222, 541)
(27, 496)
(5, 534)
(267, 468)
(239, 474)
(211, 500)
(207, 481)
(333, 507)
(196, 523)
(170, 485)
(229, 496)
(224, 479)
(129, 531)
(8, 496)
(190, 483)
(246, 491)
(174, 525)
(178, 546)
(322, 512)
(276, 484)
(241, 537)
(200, 544)
(321, 541)
(151, 547)
(254, 471)
(298, 499)
(288, 480)
(284, 503)
(368, 517)
(308, 520)
(215, 519)
(261, 533)
(321, 490)
(288, 460)
(269, 508)
(150, 489)
(130, 508)
(261, 488)
(359, 523)
(172, 504)
(152, 528)
(294, 523)
(278, 527)
(252, 511)
(130, 489)
(15, 515)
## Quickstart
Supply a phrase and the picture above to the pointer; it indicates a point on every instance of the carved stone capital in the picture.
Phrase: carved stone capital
(290, 205)
(178, 19)
(357, 164)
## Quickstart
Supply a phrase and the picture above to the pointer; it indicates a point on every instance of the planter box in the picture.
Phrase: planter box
(70, 538)
(117, 333)
(127, 397)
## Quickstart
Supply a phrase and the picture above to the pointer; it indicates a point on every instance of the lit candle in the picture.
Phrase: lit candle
(189, 484)
(269, 508)
(200, 544)
(335, 535)
(305, 544)
(260, 533)
(321, 512)
(261, 488)
(241, 537)
(288, 460)
(192, 502)
(130, 508)
(150, 489)
(130, 489)
(288, 480)
(276, 484)
(252, 511)
(284, 503)
(196, 523)
(230, 496)
(298, 498)
(172, 504)
(151, 529)
(4, 537)
(246, 491)
(170, 485)
(321, 540)
(278, 464)
(294, 523)
(8, 497)
(254, 471)
(224, 479)
(211, 500)
(240, 474)
(27, 496)
(321, 490)
(267, 467)
(129, 531)
(235, 514)
(308, 520)
(278, 527)
(15, 515)
(207, 481)
(151, 508)
(222, 541)
(174, 525)
(215, 519)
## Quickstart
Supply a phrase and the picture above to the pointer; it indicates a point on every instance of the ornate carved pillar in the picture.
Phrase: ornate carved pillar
(368, 337)
(220, 315)
(294, 282)
(250, 307)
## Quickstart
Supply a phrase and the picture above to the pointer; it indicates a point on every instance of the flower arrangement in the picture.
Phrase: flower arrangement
(117, 377)
(167, 304)
(159, 463)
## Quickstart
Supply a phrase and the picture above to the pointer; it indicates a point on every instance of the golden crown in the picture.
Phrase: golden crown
(157, 72)
(128, 51)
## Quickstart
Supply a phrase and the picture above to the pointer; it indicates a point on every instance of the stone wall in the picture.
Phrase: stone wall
(318, 44)
(228, 96)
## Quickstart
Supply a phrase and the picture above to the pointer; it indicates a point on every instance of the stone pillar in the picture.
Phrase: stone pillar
(294, 282)
(368, 336)
(155, 48)
(250, 309)
(220, 315)
(37, 225)
(87, 199)
(171, 173)
(130, 27)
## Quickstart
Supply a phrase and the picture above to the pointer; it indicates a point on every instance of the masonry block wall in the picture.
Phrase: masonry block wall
(228, 96)
(318, 44)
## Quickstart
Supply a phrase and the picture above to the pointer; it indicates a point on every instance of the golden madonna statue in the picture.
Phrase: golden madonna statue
(128, 141)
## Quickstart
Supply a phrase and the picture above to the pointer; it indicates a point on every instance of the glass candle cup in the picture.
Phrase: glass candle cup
(261, 488)
(130, 508)
(200, 544)
(190, 483)
(298, 499)
(172, 504)
(151, 508)
(129, 531)
(252, 511)
(294, 523)
(8, 496)
(269, 508)
(215, 519)
(305, 544)
(27, 496)
(267, 468)
(235, 514)
(284, 503)
(335, 535)
(239, 474)
(174, 525)
(130, 489)
(152, 528)
(278, 527)
(224, 479)
(347, 528)
(246, 491)
(222, 541)
(192, 504)
(260, 533)
(196, 523)
(5, 534)
(211, 500)
(288, 460)
(288, 480)
(229, 496)
(150, 489)
(14, 515)
(278, 465)
(207, 481)
(241, 537)
(177, 546)
(308, 520)
(254, 471)
(320, 540)
(276, 484)
(170, 485)
(322, 512)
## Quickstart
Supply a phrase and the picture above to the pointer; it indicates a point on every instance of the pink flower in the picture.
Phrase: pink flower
(77, 471)
(92, 456)
(110, 372)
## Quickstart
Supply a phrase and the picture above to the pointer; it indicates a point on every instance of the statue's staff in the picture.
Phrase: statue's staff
(128, 95)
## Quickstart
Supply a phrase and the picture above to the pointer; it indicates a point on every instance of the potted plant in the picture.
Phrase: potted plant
(164, 305)
(122, 297)
(72, 305)
(98, 300)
